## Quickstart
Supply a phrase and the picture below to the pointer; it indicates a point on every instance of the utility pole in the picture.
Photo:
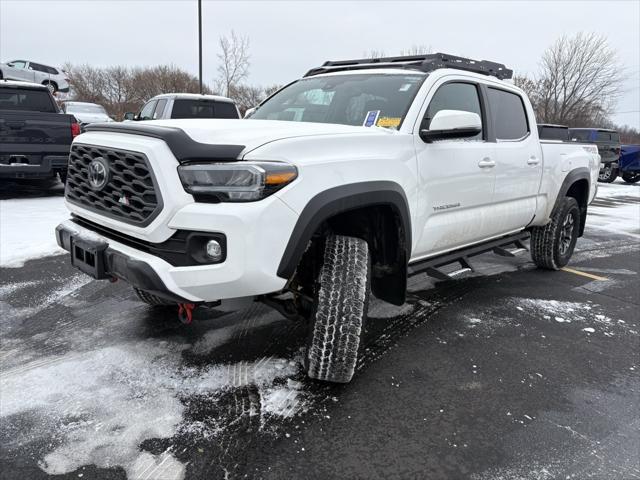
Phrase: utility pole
(200, 42)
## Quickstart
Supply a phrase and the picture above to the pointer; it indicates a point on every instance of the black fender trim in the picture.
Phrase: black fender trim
(572, 177)
(183, 147)
(338, 200)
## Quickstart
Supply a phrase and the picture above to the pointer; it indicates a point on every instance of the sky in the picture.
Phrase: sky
(289, 38)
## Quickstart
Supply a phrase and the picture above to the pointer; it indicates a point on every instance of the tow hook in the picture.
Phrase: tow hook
(185, 312)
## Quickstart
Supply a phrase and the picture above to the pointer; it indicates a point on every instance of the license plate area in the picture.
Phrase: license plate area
(89, 256)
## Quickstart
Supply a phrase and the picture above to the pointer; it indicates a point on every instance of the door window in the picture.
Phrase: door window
(19, 64)
(508, 114)
(159, 109)
(147, 111)
(455, 96)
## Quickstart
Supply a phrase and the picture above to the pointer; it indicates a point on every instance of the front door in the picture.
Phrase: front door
(456, 177)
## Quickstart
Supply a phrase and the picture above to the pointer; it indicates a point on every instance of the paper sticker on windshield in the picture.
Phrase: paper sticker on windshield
(388, 122)
(405, 87)
(370, 119)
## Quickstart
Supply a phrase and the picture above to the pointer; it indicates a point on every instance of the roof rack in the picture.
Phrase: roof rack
(424, 63)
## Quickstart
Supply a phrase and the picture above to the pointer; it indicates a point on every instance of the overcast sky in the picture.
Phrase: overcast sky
(288, 38)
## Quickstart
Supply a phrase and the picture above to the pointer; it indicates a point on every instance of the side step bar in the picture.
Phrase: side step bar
(431, 266)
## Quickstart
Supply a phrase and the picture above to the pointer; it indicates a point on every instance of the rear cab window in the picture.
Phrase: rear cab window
(196, 108)
(508, 114)
(27, 99)
(580, 135)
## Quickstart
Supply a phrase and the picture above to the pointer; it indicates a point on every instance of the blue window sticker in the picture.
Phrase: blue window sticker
(370, 119)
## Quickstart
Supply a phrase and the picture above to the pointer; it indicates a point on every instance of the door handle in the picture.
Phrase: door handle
(533, 160)
(486, 162)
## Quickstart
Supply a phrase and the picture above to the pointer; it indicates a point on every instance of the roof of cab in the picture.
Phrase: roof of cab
(194, 96)
(19, 83)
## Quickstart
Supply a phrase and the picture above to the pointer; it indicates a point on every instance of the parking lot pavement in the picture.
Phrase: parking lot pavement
(509, 373)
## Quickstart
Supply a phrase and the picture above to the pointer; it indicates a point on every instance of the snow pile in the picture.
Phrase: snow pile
(616, 208)
(104, 403)
(27, 229)
(284, 401)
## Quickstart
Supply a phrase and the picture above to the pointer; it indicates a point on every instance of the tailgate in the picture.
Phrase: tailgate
(36, 133)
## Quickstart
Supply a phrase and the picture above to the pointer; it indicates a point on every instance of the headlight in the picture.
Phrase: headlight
(235, 181)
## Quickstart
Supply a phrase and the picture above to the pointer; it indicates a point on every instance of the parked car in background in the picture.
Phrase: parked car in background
(86, 112)
(35, 137)
(608, 142)
(185, 105)
(630, 163)
(54, 78)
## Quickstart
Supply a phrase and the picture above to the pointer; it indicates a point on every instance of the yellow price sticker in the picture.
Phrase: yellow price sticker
(389, 122)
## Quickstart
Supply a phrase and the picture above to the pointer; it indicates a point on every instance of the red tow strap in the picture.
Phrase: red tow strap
(185, 312)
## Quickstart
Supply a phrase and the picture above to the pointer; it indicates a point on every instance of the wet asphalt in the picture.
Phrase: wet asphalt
(510, 373)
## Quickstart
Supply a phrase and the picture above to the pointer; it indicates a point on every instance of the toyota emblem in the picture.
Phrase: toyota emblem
(98, 173)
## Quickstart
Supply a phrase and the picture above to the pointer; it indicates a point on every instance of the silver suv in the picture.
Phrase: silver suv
(53, 77)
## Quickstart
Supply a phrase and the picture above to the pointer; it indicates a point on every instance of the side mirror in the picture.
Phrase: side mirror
(129, 116)
(450, 124)
(250, 112)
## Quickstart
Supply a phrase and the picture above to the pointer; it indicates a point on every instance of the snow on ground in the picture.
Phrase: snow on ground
(588, 316)
(144, 383)
(616, 208)
(27, 229)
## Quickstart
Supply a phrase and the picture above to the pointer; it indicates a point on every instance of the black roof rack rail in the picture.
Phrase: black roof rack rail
(424, 63)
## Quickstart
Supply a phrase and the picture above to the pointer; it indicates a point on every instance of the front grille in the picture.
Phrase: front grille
(130, 194)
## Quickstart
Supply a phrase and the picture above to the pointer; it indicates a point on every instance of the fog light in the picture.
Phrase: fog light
(214, 250)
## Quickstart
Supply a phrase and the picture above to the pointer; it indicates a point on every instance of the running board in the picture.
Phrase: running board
(431, 266)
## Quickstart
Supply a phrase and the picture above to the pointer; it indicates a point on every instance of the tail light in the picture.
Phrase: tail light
(75, 129)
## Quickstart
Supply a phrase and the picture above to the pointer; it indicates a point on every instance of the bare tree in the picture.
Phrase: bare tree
(374, 54)
(234, 62)
(120, 89)
(416, 50)
(578, 82)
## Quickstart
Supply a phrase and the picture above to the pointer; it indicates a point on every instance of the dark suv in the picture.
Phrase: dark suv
(608, 142)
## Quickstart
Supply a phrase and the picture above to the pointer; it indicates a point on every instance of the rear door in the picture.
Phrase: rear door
(456, 177)
(518, 159)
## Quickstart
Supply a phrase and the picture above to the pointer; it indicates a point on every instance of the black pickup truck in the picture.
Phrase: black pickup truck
(35, 137)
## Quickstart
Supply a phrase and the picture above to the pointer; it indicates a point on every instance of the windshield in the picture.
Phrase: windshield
(86, 108)
(356, 99)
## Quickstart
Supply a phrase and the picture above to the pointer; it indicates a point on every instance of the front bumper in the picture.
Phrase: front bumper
(255, 243)
(113, 263)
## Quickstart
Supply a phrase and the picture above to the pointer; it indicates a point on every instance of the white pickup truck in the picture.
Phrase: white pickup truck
(345, 181)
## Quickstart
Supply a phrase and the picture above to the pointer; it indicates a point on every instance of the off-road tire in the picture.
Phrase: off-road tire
(608, 174)
(151, 299)
(547, 249)
(340, 308)
(631, 177)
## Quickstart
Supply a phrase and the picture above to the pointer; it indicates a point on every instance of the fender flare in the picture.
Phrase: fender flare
(581, 173)
(341, 199)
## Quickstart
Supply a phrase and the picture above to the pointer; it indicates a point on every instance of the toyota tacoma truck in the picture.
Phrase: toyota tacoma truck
(35, 137)
(340, 184)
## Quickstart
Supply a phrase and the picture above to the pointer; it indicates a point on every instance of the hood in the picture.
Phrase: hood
(254, 133)
(91, 117)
